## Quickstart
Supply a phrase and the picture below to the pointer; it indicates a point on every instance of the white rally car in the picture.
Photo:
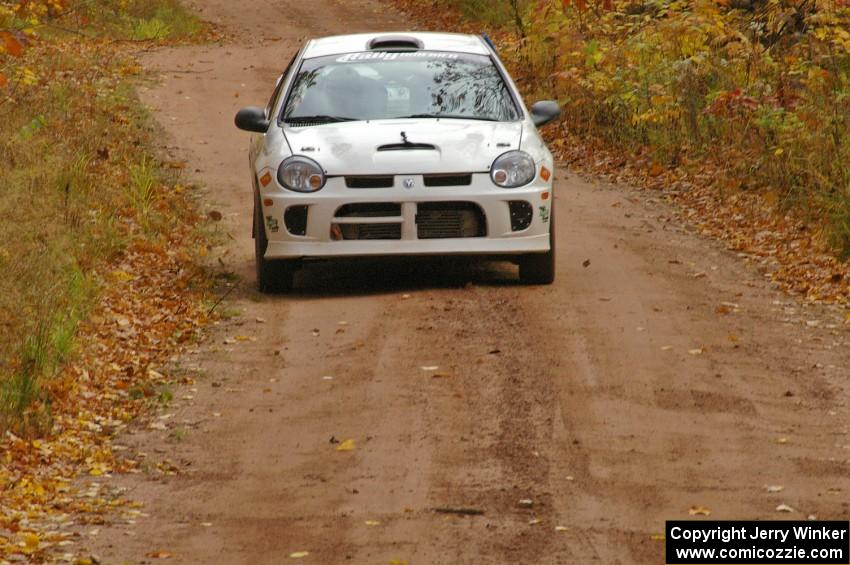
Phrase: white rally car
(399, 144)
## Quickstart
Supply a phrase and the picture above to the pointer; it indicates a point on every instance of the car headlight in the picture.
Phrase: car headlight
(513, 169)
(301, 174)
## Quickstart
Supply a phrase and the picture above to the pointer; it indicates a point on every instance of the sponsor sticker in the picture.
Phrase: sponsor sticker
(393, 55)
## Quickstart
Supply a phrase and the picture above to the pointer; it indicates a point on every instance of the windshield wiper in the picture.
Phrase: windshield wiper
(449, 116)
(319, 118)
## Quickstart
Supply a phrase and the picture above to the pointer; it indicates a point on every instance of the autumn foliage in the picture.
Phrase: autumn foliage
(739, 110)
(100, 254)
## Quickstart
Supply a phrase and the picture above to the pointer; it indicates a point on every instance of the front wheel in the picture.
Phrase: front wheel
(273, 276)
(539, 268)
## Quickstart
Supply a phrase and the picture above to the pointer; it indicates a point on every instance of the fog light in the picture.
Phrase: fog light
(295, 219)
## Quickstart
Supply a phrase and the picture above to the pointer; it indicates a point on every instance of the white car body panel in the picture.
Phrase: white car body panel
(350, 149)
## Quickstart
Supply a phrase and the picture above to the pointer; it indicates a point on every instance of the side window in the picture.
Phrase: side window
(279, 87)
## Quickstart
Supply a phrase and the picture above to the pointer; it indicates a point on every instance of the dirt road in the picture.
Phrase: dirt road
(664, 375)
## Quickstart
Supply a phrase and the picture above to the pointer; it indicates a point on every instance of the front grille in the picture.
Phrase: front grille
(369, 210)
(447, 180)
(437, 220)
(383, 181)
(366, 231)
(521, 214)
(295, 219)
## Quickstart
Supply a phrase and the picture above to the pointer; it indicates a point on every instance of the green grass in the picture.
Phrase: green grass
(140, 20)
(79, 180)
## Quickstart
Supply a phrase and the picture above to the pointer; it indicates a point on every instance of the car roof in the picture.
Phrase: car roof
(339, 44)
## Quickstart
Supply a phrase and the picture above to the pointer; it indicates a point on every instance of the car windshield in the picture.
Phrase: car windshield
(411, 84)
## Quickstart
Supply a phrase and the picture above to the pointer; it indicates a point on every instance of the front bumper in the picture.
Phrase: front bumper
(319, 241)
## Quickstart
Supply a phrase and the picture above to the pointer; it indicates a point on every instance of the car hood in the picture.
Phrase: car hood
(370, 148)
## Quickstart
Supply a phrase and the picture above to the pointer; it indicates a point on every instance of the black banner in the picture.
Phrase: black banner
(690, 542)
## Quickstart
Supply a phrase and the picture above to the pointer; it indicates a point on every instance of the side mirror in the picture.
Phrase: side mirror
(252, 119)
(544, 112)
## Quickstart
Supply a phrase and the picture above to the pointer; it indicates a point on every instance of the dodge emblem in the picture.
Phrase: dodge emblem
(408, 183)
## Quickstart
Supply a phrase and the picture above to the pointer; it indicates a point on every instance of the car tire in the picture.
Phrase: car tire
(539, 268)
(273, 276)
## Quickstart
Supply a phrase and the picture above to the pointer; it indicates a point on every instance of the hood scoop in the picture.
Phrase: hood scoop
(395, 42)
(407, 146)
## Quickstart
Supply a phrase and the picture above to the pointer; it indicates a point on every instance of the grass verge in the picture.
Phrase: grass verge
(81, 182)
(100, 253)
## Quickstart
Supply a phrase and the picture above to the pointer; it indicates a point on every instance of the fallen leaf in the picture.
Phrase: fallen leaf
(774, 488)
(534, 521)
(666, 347)
(585, 263)
(299, 554)
(784, 508)
(159, 555)
(31, 542)
(698, 351)
(699, 511)
(561, 529)
(347, 445)
(372, 523)
(12, 46)
(440, 375)
(429, 367)
(214, 215)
